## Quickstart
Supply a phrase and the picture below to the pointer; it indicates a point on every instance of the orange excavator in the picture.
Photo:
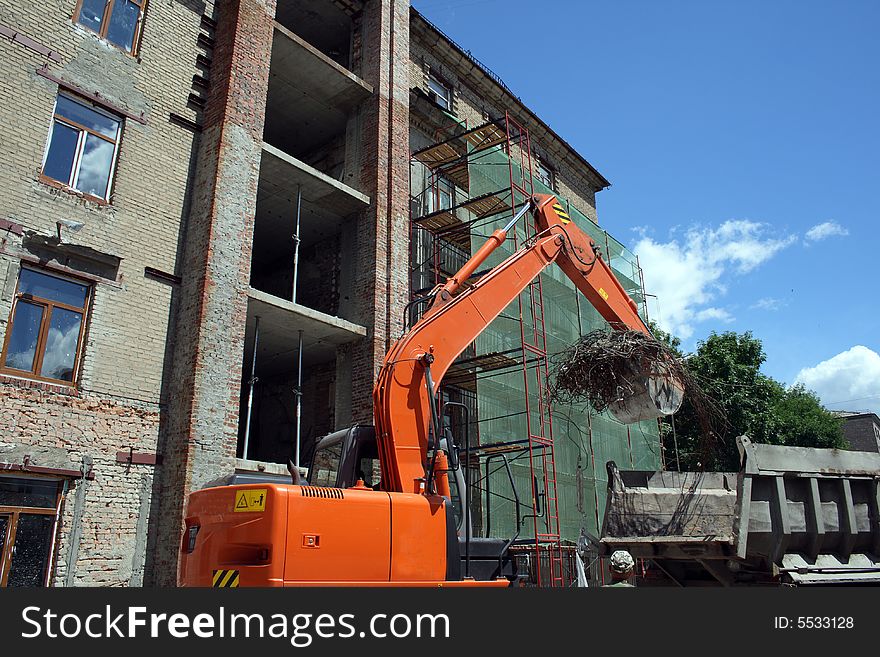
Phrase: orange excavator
(402, 531)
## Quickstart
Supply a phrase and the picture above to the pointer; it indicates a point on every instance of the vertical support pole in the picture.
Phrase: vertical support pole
(296, 241)
(299, 383)
(76, 525)
(50, 571)
(675, 443)
(252, 382)
(140, 532)
(642, 284)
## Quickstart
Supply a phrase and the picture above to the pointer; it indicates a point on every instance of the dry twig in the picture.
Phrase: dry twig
(604, 367)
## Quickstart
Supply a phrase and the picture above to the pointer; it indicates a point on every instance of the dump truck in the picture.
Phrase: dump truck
(790, 516)
(400, 530)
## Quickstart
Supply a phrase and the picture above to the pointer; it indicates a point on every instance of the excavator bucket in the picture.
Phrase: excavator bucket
(651, 390)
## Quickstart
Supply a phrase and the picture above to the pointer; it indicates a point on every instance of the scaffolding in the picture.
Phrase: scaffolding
(465, 184)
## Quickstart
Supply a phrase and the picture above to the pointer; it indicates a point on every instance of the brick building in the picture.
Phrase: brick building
(861, 430)
(204, 251)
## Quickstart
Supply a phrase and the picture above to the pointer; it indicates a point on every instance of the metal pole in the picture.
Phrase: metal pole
(516, 217)
(296, 245)
(252, 382)
(675, 442)
(299, 383)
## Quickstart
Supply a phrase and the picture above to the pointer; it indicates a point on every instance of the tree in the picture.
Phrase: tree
(803, 422)
(667, 338)
(727, 366)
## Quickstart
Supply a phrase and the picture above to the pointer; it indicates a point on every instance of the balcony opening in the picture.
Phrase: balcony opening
(268, 408)
(320, 23)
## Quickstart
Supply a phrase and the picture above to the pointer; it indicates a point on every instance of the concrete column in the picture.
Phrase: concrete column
(382, 252)
(201, 427)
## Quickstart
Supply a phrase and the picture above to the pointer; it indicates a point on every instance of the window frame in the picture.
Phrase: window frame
(540, 165)
(441, 186)
(7, 541)
(435, 80)
(82, 131)
(45, 323)
(108, 12)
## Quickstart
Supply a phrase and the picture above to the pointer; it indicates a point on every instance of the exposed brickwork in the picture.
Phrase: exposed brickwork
(862, 432)
(202, 433)
(120, 398)
(56, 429)
(383, 233)
(318, 278)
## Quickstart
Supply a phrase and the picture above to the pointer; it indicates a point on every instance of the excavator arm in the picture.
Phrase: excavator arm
(416, 363)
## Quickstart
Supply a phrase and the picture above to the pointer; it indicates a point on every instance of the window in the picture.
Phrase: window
(545, 174)
(325, 463)
(44, 335)
(117, 21)
(82, 147)
(441, 196)
(440, 92)
(28, 508)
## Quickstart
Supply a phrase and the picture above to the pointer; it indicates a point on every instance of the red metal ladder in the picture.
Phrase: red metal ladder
(533, 335)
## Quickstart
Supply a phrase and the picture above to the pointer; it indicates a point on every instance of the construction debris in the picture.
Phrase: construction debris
(632, 375)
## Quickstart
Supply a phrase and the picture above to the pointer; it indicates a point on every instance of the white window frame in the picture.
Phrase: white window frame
(542, 168)
(441, 91)
(73, 178)
(442, 187)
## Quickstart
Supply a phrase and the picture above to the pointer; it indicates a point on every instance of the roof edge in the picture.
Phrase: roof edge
(496, 80)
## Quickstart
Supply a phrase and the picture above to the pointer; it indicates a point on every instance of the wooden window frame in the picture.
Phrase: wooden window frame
(48, 306)
(73, 178)
(108, 12)
(7, 543)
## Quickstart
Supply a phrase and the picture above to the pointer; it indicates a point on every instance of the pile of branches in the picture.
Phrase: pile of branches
(604, 367)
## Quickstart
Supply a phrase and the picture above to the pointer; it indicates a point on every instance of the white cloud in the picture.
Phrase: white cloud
(849, 381)
(824, 230)
(718, 314)
(688, 273)
(767, 303)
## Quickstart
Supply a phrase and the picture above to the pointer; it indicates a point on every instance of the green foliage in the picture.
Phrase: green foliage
(665, 337)
(804, 423)
(728, 367)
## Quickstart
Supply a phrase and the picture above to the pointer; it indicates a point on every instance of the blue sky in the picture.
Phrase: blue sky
(742, 140)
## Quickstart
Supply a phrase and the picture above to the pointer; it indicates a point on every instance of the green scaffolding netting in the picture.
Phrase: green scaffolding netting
(583, 440)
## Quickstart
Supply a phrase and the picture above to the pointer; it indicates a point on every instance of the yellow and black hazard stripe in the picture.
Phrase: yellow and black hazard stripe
(225, 579)
(561, 213)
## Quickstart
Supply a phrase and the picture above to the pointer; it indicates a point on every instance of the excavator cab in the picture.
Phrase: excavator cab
(343, 458)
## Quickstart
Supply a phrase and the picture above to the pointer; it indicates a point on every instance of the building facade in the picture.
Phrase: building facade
(206, 249)
(861, 430)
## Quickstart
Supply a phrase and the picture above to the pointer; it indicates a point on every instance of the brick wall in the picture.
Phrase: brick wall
(120, 399)
(862, 432)
(383, 231)
(205, 372)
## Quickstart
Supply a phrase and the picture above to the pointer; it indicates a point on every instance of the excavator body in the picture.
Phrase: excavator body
(402, 530)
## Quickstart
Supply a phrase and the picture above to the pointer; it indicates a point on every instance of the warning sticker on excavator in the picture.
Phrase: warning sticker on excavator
(250, 500)
(603, 294)
(561, 213)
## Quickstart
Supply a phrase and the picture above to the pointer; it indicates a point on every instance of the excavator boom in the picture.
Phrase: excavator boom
(416, 363)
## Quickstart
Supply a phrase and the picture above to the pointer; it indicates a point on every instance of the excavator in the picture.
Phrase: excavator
(336, 530)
